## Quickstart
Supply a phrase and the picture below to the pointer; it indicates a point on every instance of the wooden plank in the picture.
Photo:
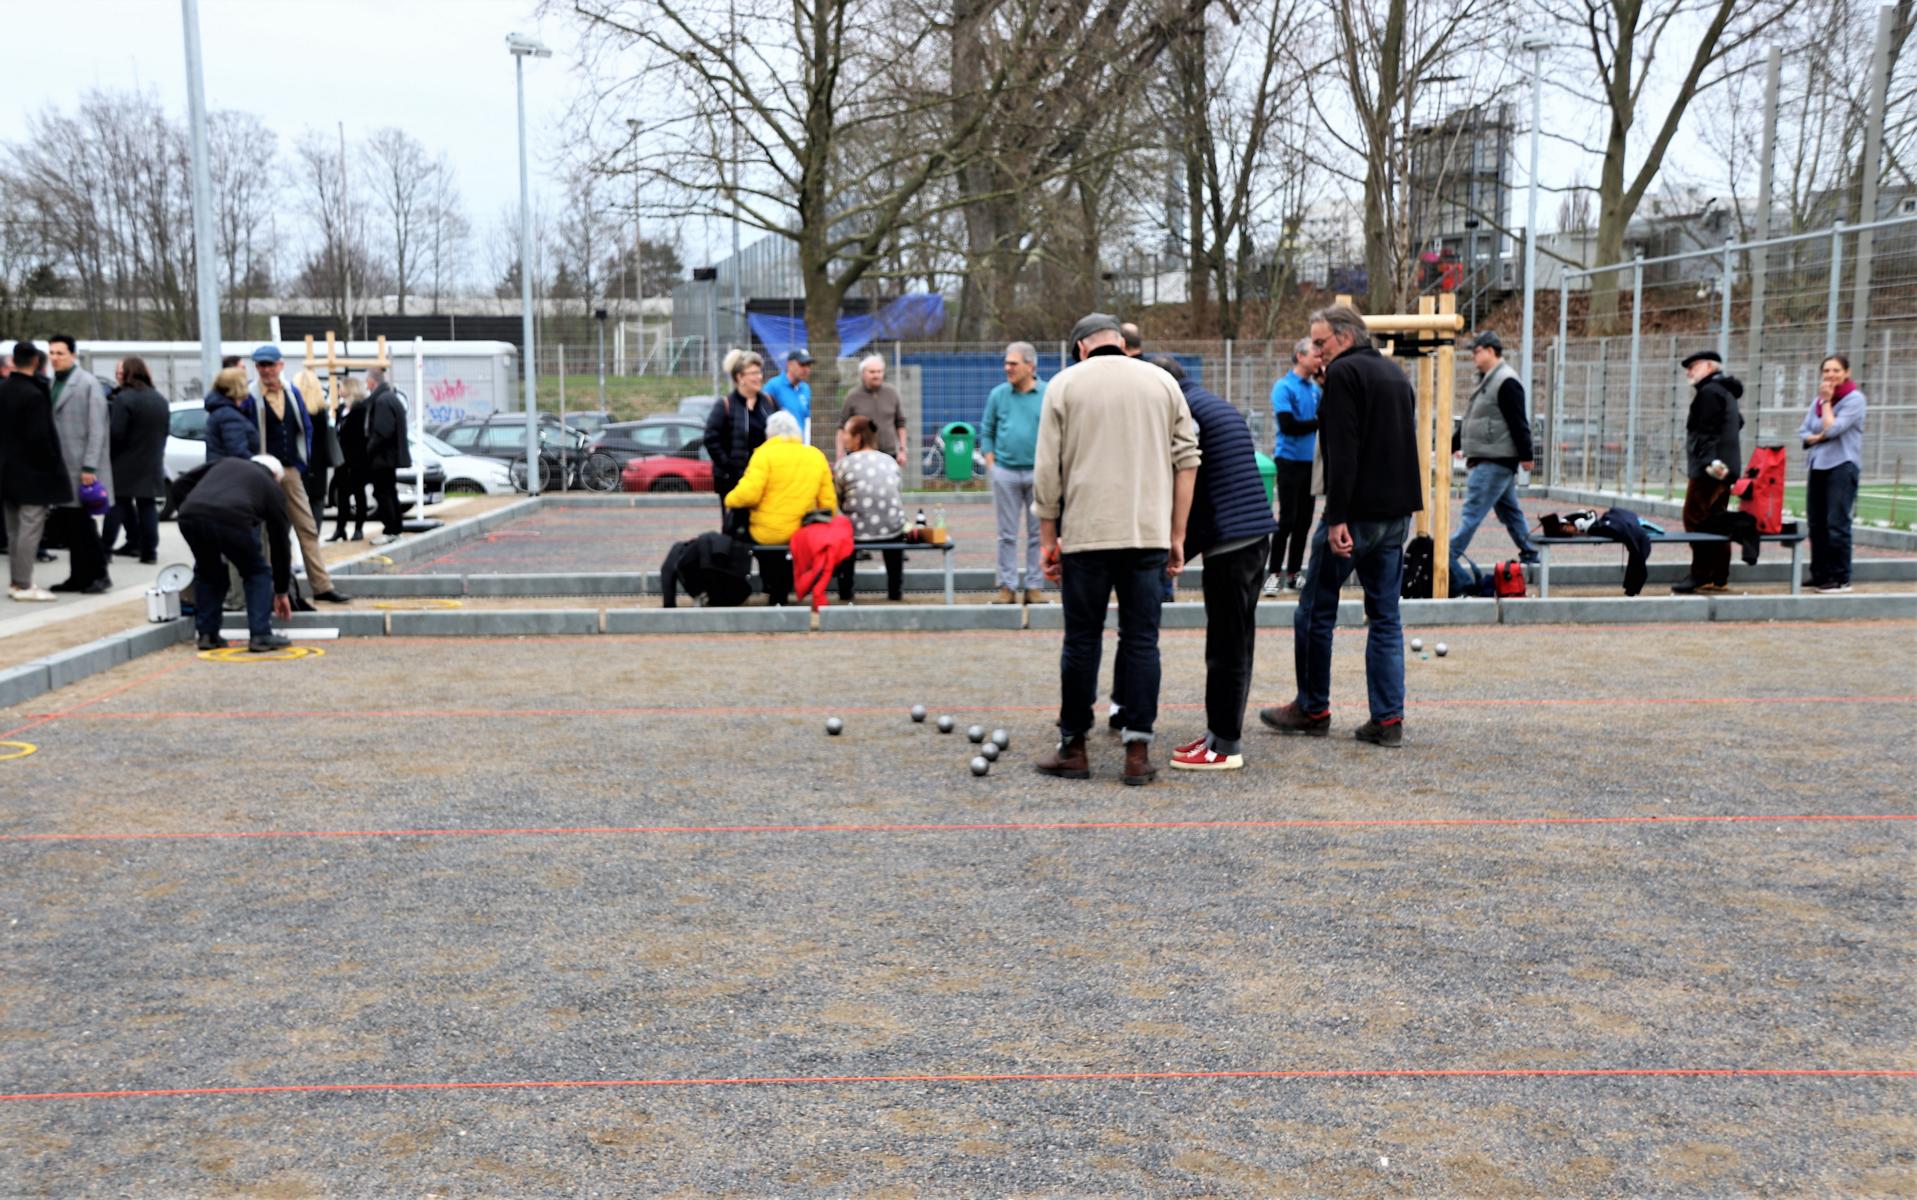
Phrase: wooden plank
(1422, 522)
(1447, 376)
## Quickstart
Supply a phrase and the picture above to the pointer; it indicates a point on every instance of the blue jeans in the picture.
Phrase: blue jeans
(1377, 554)
(1091, 576)
(1829, 502)
(1491, 485)
(215, 544)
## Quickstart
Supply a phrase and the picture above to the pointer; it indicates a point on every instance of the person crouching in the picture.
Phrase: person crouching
(221, 505)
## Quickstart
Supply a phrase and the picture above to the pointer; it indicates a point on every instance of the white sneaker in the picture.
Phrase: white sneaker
(32, 595)
(1833, 589)
(380, 539)
(1271, 585)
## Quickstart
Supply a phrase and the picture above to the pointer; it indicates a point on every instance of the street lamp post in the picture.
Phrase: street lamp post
(203, 250)
(1537, 47)
(522, 48)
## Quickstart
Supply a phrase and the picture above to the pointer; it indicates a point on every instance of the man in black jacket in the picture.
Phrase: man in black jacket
(220, 505)
(33, 474)
(1367, 427)
(1713, 459)
(386, 451)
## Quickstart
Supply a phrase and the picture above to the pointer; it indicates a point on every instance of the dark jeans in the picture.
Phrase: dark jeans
(214, 545)
(140, 517)
(1296, 507)
(775, 575)
(894, 575)
(1705, 499)
(1829, 504)
(1090, 578)
(74, 529)
(385, 483)
(1377, 555)
(1231, 582)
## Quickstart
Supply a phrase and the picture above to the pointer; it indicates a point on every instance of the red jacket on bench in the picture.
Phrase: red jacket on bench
(817, 551)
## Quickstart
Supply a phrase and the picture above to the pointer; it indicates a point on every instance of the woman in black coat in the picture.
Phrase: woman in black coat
(349, 481)
(137, 418)
(736, 427)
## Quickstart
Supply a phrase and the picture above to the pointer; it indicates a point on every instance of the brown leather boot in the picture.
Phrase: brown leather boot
(1138, 763)
(1068, 761)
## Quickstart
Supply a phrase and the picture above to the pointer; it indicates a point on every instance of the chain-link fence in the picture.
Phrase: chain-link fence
(1613, 398)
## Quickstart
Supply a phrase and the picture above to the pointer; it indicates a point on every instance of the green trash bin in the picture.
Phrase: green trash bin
(958, 438)
(1268, 471)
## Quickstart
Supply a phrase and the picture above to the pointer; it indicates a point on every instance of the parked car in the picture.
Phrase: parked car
(696, 406)
(464, 472)
(503, 436)
(591, 421)
(663, 454)
(186, 449)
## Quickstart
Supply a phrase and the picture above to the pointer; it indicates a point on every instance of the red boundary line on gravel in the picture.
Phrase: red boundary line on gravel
(44, 718)
(965, 827)
(1024, 1077)
(667, 710)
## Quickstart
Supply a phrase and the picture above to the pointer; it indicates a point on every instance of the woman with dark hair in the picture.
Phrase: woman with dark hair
(1833, 437)
(735, 428)
(137, 419)
(869, 494)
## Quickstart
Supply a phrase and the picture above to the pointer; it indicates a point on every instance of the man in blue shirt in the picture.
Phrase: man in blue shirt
(1294, 401)
(1008, 437)
(793, 389)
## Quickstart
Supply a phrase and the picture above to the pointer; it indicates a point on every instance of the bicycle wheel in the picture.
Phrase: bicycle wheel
(517, 473)
(599, 472)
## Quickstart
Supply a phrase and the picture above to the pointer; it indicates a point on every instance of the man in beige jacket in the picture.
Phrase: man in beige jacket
(1117, 457)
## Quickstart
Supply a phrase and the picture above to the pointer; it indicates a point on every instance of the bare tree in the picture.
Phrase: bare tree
(399, 174)
(580, 241)
(244, 198)
(340, 257)
(448, 237)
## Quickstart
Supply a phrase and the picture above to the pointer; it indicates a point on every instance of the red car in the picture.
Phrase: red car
(663, 454)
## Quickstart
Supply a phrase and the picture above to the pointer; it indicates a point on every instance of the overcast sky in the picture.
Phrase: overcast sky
(437, 68)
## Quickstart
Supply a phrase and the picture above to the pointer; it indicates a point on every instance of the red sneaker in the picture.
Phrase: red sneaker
(1197, 743)
(1199, 757)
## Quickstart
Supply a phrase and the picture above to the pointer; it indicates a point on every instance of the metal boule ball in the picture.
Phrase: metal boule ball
(989, 751)
(1417, 644)
(834, 726)
(918, 714)
(976, 733)
(1442, 649)
(1001, 739)
(946, 724)
(980, 766)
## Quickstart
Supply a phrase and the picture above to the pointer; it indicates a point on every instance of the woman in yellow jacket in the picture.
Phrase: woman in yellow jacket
(784, 480)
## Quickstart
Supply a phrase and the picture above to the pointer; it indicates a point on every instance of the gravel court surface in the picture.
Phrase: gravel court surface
(826, 954)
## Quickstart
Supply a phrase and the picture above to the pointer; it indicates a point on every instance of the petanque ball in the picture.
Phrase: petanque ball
(980, 766)
(946, 724)
(1001, 739)
(834, 726)
(1442, 649)
(1417, 644)
(976, 733)
(989, 750)
(918, 714)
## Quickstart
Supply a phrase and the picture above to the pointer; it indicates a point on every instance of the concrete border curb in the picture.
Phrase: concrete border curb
(911, 617)
(1854, 607)
(709, 620)
(21, 684)
(510, 623)
(1604, 610)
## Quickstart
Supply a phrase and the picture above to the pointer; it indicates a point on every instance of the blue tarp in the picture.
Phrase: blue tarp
(918, 317)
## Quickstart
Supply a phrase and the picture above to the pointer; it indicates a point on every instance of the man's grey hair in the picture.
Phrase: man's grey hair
(376, 375)
(1301, 348)
(1345, 321)
(869, 359)
(271, 464)
(781, 424)
(1023, 351)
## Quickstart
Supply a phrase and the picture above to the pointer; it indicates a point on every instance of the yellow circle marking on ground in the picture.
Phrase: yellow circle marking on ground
(12, 750)
(240, 654)
(381, 559)
(421, 602)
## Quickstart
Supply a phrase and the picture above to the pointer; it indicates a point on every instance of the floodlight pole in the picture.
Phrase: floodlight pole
(1537, 47)
(521, 48)
(205, 266)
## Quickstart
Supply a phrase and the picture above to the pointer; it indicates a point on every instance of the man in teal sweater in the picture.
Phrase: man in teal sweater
(1008, 436)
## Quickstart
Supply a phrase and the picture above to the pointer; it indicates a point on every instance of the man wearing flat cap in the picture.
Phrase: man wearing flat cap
(1713, 454)
(1495, 436)
(1112, 486)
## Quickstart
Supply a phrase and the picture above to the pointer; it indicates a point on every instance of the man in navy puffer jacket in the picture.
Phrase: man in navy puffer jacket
(1231, 525)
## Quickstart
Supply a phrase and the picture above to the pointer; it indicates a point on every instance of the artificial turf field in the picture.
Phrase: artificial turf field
(1629, 914)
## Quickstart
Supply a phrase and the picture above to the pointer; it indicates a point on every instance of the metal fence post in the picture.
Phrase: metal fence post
(1637, 330)
(1836, 274)
(1557, 384)
(1724, 330)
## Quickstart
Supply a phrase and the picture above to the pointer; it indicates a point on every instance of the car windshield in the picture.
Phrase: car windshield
(436, 446)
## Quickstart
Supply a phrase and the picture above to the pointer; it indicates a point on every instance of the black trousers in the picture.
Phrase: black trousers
(140, 517)
(385, 481)
(76, 530)
(1829, 504)
(775, 575)
(894, 575)
(1231, 582)
(349, 499)
(1704, 499)
(1091, 577)
(1296, 507)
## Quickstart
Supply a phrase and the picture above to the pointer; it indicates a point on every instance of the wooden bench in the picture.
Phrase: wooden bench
(944, 548)
(1794, 540)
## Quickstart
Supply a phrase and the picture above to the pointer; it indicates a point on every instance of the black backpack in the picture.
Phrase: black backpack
(713, 567)
(1417, 568)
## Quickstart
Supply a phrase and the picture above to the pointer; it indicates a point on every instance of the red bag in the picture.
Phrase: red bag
(1761, 491)
(1508, 581)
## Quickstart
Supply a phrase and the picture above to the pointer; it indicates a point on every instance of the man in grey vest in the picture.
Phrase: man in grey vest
(1496, 439)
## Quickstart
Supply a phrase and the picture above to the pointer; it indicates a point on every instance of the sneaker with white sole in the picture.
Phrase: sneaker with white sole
(1834, 589)
(1201, 757)
(1272, 583)
(32, 595)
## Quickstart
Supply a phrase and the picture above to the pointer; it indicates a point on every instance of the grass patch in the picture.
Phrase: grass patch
(1874, 502)
(628, 397)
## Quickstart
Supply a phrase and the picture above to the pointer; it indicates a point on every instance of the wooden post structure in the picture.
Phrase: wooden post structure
(1446, 371)
(1427, 446)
